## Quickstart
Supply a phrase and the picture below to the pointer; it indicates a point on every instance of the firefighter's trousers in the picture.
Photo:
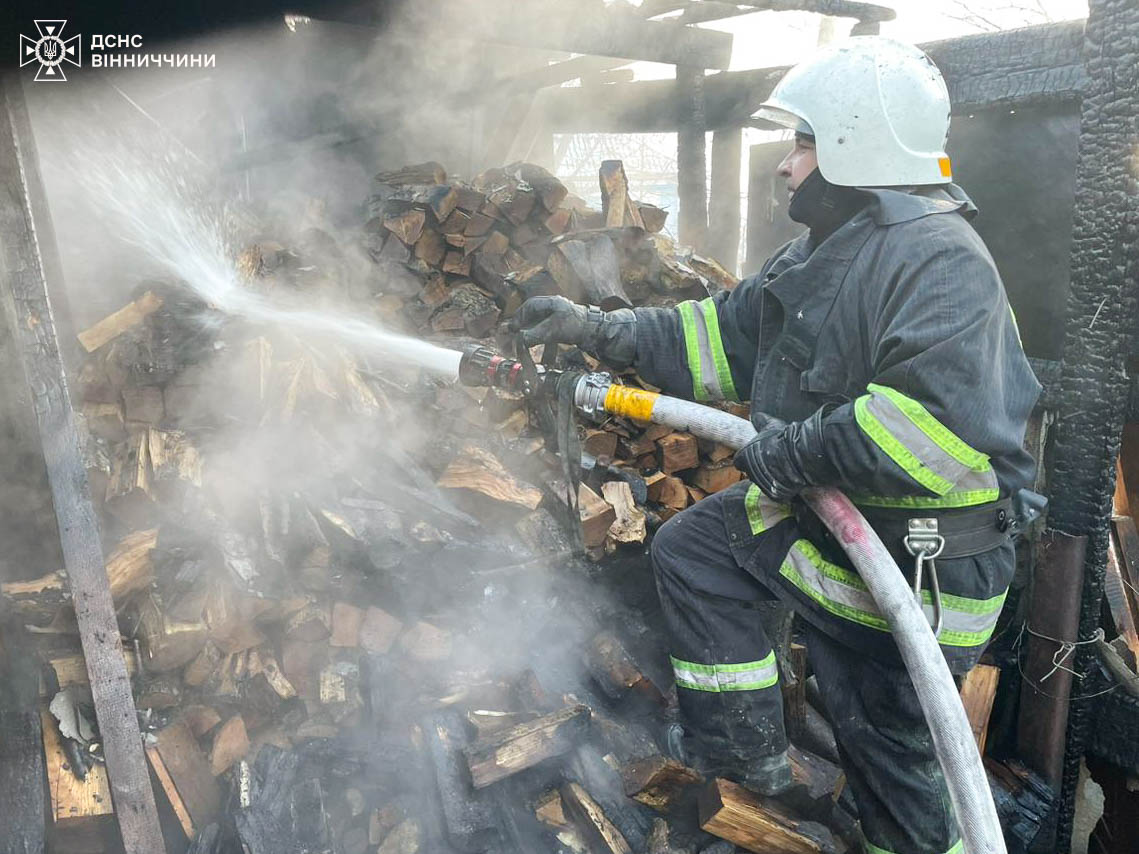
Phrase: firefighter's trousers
(728, 690)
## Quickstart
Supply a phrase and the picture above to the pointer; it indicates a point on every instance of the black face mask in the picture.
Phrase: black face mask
(823, 206)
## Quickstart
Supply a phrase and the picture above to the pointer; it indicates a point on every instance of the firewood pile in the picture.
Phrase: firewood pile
(352, 617)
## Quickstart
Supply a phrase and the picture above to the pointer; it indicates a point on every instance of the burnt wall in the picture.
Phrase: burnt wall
(1101, 304)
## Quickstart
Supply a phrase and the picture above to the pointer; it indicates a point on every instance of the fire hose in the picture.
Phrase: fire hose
(596, 393)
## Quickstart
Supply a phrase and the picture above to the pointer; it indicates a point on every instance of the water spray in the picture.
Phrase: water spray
(597, 393)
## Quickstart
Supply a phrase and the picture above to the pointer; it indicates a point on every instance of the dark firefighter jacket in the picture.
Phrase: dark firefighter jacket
(898, 323)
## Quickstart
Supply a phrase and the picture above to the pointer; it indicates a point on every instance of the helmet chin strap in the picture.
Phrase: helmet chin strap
(823, 206)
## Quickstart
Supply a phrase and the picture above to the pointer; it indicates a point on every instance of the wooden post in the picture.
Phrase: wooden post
(1054, 612)
(23, 290)
(724, 204)
(691, 163)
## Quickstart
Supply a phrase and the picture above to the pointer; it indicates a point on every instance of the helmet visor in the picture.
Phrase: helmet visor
(782, 118)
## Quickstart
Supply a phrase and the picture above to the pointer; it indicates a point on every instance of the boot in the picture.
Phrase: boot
(768, 775)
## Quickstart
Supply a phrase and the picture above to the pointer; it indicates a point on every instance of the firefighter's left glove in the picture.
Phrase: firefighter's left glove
(609, 335)
(785, 458)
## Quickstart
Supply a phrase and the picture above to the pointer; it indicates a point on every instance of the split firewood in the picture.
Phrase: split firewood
(732, 812)
(599, 443)
(230, 744)
(669, 491)
(198, 671)
(978, 691)
(616, 672)
(590, 820)
(301, 663)
(678, 452)
(39, 600)
(589, 271)
(128, 493)
(525, 745)
(378, 631)
(200, 719)
(695, 494)
(597, 516)
(167, 643)
(470, 818)
(421, 173)
(618, 209)
(558, 221)
(821, 779)
(629, 526)
(477, 470)
(175, 463)
(80, 799)
(713, 477)
(425, 642)
(116, 324)
(658, 781)
(548, 809)
(346, 621)
(652, 217)
(431, 247)
(442, 199)
(143, 406)
(105, 420)
(407, 226)
(551, 192)
(311, 623)
(184, 776)
(1119, 598)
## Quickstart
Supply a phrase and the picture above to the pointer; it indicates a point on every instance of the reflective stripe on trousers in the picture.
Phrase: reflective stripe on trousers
(747, 676)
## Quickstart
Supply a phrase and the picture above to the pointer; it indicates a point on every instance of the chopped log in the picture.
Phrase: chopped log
(548, 809)
(590, 820)
(200, 719)
(185, 777)
(378, 630)
(425, 642)
(78, 806)
(175, 463)
(496, 243)
(105, 420)
(487, 723)
(733, 813)
(479, 313)
(629, 526)
(167, 643)
(977, 694)
(515, 201)
(395, 250)
(456, 223)
(346, 622)
(525, 745)
(421, 173)
(128, 495)
(551, 192)
(616, 672)
(37, 601)
(470, 818)
(230, 744)
(72, 670)
(116, 324)
(652, 217)
(599, 443)
(230, 616)
(158, 691)
(821, 779)
(1023, 799)
(616, 206)
(407, 226)
(558, 222)
(669, 491)
(480, 224)
(143, 405)
(442, 199)
(588, 270)
(635, 447)
(713, 477)
(313, 622)
(203, 666)
(695, 494)
(597, 516)
(658, 781)
(455, 263)
(476, 470)
(431, 247)
(301, 663)
(678, 452)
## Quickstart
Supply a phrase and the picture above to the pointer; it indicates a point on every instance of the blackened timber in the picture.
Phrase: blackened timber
(525, 745)
(22, 778)
(471, 819)
(724, 201)
(1013, 67)
(28, 311)
(691, 161)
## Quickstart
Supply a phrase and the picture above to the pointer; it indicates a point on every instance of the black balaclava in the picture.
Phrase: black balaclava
(823, 206)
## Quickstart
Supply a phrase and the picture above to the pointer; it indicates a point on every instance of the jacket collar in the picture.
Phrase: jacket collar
(892, 205)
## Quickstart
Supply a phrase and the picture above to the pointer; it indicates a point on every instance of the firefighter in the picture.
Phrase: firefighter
(880, 356)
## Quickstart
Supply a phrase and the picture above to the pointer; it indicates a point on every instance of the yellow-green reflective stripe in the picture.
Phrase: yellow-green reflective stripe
(896, 451)
(692, 349)
(945, 438)
(762, 512)
(871, 848)
(746, 676)
(966, 622)
(966, 498)
(719, 357)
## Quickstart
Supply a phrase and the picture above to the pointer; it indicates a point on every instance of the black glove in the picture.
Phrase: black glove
(609, 335)
(783, 458)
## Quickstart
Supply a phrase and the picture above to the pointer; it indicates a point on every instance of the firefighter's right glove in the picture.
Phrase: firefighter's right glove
(784, 459)
(609, 335)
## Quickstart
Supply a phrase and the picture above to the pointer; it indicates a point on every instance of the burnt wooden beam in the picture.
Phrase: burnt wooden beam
(1008, 68)
(691, 159)
(22, 775)
(724, 200)
(28, 311)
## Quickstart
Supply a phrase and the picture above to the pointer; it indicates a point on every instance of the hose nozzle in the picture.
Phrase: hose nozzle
(481, 367)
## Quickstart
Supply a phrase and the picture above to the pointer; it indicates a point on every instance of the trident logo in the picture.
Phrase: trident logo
(50, 50)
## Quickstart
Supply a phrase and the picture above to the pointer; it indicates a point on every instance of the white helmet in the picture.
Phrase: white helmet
(878, 109)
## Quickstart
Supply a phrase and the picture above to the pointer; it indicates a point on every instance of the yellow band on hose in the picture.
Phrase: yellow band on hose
(631, 402)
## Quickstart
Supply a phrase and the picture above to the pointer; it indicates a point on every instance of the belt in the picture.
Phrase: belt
(966, 531)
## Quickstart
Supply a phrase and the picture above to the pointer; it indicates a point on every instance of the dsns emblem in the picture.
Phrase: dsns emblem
(50, 50)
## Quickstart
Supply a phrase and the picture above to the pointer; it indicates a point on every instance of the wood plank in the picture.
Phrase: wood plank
(658, 781)
(185, 776)
(75, 803)
(587, 815)
(977, 694)
(22, 776)
(23, 281)
(114, 325)
(733, 813)
(525, 745)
